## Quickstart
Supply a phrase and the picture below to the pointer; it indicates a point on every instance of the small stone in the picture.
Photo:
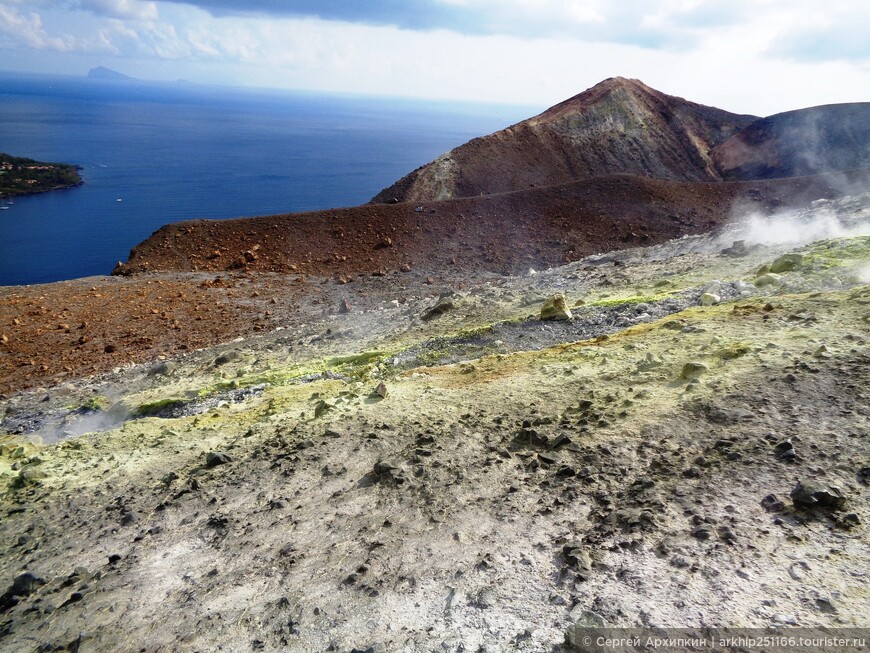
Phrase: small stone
(703, 532)
(323, 406)
(693, 370)
(650, 362)
(710, 299)
(380, 391)
(344, 307)
(384, 468)
(555, 308)
(785, 451)
(587, 618)
(162, 369)
(726, 535)
(577, 636)
(812, 494)
(822, 352)
(848, 521)
(784, 620)
(797, 570)
(561, 441)
(767, 279)
(442, 306)
(825, 605)
(531, 438)
(215, 458)
(576, 554)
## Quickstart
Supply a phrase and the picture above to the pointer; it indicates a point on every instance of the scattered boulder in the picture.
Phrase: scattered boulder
(380, 391)
(710, 299)
(344, 307)
(812, 494)
(577, 555)
(385, 471)
(529, 437)
(693, 370)
(444, 304)
(785, 451)
(215, 458)
(24, 585)
(767, 279)
(322, 406)
(787, 262)
(555, 308)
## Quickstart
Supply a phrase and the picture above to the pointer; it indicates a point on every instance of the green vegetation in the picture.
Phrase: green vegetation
(20, 176)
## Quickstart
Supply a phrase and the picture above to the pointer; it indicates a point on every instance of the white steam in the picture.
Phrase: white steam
(799, 227)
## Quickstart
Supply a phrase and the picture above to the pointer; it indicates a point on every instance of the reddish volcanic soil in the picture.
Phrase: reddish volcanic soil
(504, 233)
(210, 282)
(82, 327)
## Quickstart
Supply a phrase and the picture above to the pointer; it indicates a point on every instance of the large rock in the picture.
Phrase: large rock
(787, 262)
(812, 494)
(555, 308)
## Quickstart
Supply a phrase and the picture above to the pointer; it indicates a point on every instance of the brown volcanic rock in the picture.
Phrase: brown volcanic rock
(804, 142)
(508, 232)
(618, 126)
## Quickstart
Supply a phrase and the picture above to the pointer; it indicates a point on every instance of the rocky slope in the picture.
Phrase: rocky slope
(623, 126)
(618, 126)
(452, 473)
(803, 142)
(503, 233)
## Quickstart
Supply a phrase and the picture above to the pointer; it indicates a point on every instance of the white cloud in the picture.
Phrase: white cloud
(732, 55)
(124, 9)
(27, 30)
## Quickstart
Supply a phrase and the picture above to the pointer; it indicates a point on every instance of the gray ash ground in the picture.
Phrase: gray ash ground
(489, 505)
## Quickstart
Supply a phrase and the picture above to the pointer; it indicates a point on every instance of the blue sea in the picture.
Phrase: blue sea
(153, 154)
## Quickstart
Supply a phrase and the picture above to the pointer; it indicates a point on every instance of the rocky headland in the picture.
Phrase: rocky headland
(21, 176)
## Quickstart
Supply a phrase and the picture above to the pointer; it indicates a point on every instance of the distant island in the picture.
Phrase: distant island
(20, 176)
(101, 72)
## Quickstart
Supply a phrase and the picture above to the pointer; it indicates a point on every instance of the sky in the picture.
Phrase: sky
(747, 56)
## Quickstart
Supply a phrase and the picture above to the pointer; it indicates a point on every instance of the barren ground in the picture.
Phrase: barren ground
(476, 480)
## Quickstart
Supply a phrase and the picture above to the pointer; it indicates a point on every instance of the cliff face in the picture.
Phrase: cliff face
(618, 126)
(803, 142)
